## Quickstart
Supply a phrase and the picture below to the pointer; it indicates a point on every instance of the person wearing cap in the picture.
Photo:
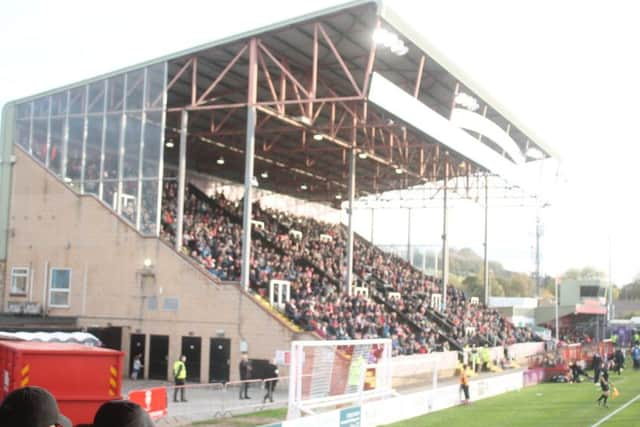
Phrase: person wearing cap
(31, 407)
(180, 375)
(121, 413)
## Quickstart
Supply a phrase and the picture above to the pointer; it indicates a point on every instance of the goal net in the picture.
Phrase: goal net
(328, 374)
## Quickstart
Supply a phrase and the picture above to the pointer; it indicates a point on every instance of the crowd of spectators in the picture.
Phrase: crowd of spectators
(212, 237)
(311, 255)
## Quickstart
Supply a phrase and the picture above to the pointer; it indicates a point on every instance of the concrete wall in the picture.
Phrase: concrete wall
(6, 160)
(3, 274)
(53, 227)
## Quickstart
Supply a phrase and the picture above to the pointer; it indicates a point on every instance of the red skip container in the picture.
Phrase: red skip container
(80, 377)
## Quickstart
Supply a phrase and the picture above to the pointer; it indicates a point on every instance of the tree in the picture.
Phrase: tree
(473, 286)
(616, 292)
(586, 273)
(630, 291)
(547, 296)
(520, 285)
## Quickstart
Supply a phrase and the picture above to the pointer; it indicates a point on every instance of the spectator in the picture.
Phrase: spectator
(32, 407)
(310, 254)
(121, 413)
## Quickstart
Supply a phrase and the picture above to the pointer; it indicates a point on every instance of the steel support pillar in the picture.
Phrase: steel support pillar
(409, 236)
(557, 304)
(182, 176)
(445, 242)
(248, 162)
(538, 235)
(373, 211)
(351, 190)
(487, 290)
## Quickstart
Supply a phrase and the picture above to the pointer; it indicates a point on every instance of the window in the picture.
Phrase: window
(59, 287)
(19, 280)
(589, 291)
(170, 304)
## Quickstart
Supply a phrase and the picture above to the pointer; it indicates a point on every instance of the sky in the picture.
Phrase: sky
(569, 70)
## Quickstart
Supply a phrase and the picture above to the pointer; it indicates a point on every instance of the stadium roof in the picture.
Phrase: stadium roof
(354, 76)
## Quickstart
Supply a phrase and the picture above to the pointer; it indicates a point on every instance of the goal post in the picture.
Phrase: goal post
(328, 374)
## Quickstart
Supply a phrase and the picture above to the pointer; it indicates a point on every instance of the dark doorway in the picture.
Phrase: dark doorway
(159, 357)
(111, 336)
(191, 347)
(219, 355)
(137, 346)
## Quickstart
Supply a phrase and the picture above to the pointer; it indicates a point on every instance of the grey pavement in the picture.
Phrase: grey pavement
(209, 401)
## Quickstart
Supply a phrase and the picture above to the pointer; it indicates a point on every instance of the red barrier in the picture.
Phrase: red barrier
(153, 400)
(571, 352)
(606, 347)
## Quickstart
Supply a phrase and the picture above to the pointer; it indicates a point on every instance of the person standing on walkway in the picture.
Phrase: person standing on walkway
(271, 379)
(137, 367)
(464, 384)
(245, 375)
(179, 375)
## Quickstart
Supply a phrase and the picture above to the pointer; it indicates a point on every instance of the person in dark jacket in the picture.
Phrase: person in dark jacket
(245, 375)
(271, 379)
(618, 357)
(597, 366)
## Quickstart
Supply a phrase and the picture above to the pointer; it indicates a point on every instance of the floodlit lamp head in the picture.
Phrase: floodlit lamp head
(304, 187)
(147, 262)
(264, 175)
(220, 160)
(363, 155)
(339, 196)
(390, 40)
(303, 119)
(534, 153)
(170, 144)
(318, 137)
(399, 171)
(402, 51)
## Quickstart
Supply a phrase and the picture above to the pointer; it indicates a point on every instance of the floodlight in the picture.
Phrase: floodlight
(534, 153)
(390, 40)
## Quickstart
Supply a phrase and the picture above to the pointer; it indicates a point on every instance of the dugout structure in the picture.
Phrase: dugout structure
(330, 106)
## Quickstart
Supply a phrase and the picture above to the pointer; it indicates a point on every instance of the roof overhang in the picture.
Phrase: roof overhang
(400, 148)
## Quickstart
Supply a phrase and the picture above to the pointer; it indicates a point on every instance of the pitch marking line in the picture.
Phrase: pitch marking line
(616, 411)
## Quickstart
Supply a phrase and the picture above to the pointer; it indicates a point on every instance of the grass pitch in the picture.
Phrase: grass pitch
(544, 405)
